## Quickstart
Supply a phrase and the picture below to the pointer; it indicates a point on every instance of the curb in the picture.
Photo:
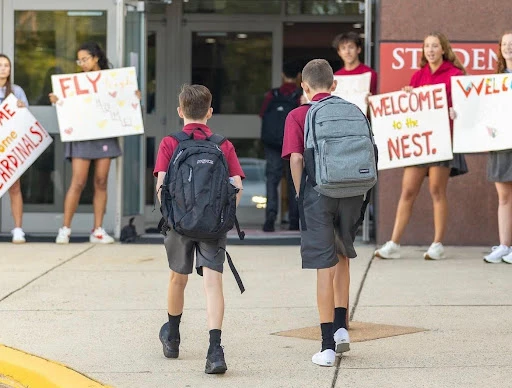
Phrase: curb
(28, 370)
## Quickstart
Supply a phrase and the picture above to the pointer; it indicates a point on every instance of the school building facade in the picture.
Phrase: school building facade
(236, 48)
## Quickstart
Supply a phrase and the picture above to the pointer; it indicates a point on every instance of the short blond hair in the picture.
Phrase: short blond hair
(318, 74)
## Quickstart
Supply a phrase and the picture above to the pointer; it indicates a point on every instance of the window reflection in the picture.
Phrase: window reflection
(324, 7)
(233, 6)
(235, 66)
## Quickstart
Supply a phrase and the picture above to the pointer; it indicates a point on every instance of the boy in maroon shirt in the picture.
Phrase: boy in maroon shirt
(328, 242)
(195, 110)
(348, 46)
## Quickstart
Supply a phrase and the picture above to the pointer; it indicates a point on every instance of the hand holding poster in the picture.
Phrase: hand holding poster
(354, 88)
(411, 128)
(97, 104)
(482, 104)
(22, 141)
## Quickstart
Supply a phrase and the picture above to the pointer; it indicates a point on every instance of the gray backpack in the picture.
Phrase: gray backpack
(340, 154)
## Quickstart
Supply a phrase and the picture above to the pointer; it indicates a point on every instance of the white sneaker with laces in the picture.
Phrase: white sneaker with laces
(508, 258)
(342, 340)
(389, 250)
(497, 254)
(435, 252)
(325, 358)
(99, 236)
(63, 236)
(18, 236)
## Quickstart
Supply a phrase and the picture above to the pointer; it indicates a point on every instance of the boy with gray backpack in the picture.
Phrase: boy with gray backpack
(333, 160)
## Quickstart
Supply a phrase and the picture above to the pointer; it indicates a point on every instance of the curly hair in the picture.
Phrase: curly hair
(95, 50)
(502, 64)
(448, 55)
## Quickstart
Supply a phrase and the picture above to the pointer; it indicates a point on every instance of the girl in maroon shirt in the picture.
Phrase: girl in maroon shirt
(438, 64)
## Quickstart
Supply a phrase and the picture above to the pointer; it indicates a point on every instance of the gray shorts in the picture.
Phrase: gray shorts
(329, 228)
(92, 149)
(181, 251)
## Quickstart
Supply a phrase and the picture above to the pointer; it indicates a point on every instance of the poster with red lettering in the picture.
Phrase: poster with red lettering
(482, 104)
(22, 141)
(411, 128)
(399, 61)
(98, 104)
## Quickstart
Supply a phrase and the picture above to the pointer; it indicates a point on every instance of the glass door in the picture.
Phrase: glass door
(41, 38)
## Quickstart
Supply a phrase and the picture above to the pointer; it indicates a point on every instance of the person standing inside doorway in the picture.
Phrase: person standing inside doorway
(277, 104)
(90, 57)
(348, 45)
(499, 171)
(6, 88)
(438, 64)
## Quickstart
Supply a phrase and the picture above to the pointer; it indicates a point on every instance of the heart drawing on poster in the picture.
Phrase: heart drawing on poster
(60, 102)
(68, 131)
(102, 123)
(113, 94)
(135, 105)
(121, 103)
(88, 100)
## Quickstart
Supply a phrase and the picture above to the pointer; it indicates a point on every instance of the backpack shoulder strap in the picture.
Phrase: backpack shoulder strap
(296, 93)
(217, 139)
(180, 136)
(275, 92)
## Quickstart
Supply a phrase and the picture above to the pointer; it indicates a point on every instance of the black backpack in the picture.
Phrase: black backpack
(272, 123)
(198, 201)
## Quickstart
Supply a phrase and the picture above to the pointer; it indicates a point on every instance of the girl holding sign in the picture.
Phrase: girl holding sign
(499, 170)
(6, 88)
(438, 64)
(90, 57)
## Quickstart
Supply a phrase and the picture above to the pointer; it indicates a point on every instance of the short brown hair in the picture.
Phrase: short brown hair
(195, 100)
(346, 37)
(318, 74)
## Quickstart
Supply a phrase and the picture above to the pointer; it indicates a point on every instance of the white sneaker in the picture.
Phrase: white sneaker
(508, 258)
(389, 250)
(18, 236)
(497, 254)
(342, 340)
(63, 236)
(99, 236)
(435, 252)
(325, 358)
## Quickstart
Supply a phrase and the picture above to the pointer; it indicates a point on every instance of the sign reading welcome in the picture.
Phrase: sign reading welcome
(22, 141)
(98, 104)
(411, 128)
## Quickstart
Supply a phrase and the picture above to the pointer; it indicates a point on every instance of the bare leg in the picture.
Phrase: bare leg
(176, 293)
(101, 169)
(342, 285)
(411, 184)
(80, 170)
(325, 293)
(438, 181)
(504, 190)
(16, 203)
(214, 298)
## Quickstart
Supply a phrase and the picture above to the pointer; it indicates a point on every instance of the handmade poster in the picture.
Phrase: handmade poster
(22, 141)
(482, 104)
(98, 105)
(354, 88)
(411, 128)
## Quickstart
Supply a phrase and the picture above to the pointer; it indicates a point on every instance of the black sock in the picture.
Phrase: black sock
(174, 326)
(327, 338)
(340, 318)
(214, 339)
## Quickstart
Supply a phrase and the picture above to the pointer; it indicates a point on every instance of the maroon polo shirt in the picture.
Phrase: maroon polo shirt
(361, 69)
(293, 141)
(169, 145)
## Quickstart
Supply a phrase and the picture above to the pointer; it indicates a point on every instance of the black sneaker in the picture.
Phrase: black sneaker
(171, 347)
(268, 226)
(215, 362)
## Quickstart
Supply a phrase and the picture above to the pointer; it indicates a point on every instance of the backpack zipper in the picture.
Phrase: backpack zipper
(190, 176)
(177, 157)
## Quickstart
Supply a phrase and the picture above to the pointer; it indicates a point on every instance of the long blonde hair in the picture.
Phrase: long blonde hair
(502, 64)
(448, 55)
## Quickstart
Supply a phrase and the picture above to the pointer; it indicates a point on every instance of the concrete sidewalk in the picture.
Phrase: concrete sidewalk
(98, 309)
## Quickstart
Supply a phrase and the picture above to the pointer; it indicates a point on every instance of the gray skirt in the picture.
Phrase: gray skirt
(457, 165)
(499, 166)
(92, 149)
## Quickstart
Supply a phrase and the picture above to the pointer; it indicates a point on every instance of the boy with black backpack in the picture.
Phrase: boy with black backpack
(277, 104)
(333, 163)
(199, 183)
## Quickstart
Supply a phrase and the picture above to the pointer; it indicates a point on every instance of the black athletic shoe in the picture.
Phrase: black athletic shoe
(268, 226)
(215, 362)
(171, 347)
